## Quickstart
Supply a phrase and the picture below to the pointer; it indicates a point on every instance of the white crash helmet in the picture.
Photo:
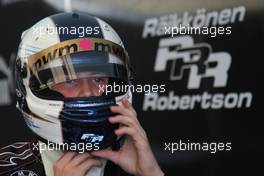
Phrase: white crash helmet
(54, 51)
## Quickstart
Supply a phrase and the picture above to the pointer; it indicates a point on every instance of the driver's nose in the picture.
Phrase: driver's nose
(86, 88)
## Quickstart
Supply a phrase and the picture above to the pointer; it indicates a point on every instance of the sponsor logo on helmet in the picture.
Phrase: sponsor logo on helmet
(37, 61)
(89, 137)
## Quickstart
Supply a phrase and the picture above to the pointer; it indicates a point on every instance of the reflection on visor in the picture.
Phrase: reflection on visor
(78, 66)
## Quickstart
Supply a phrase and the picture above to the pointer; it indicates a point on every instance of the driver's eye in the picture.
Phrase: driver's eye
(70, 83)
(99, 80)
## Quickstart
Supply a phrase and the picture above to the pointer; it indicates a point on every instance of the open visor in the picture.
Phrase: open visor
(94, 67)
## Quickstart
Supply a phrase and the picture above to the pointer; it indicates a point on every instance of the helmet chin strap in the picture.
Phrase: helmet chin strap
(50, 156)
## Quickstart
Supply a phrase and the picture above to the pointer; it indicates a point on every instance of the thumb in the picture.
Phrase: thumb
(107, 154)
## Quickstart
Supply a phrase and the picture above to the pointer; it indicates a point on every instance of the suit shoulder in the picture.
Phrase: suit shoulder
(19, 159)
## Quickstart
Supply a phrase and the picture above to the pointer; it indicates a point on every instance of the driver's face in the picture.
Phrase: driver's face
(85, 87)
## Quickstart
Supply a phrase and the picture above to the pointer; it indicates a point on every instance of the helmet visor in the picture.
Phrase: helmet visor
(87, 72)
